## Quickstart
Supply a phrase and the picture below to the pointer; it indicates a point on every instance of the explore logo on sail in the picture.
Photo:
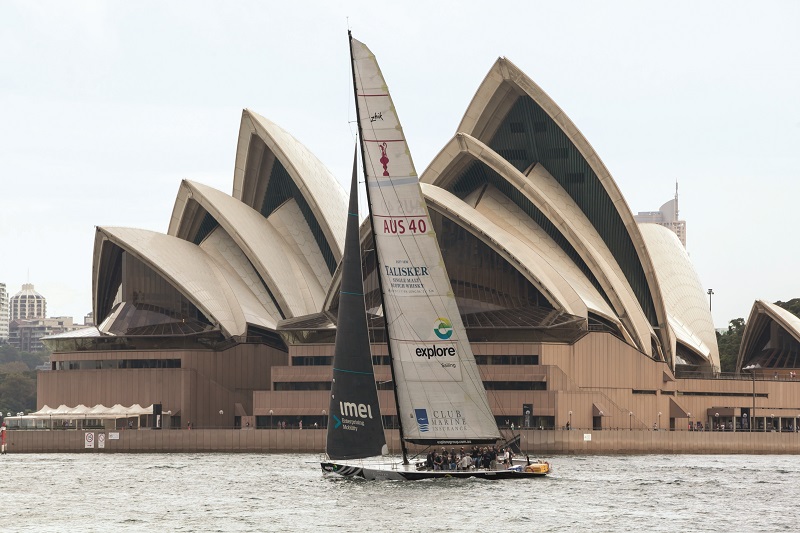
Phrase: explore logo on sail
(443, 328)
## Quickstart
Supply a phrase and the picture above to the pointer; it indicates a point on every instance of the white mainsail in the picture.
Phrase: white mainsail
(440, 394)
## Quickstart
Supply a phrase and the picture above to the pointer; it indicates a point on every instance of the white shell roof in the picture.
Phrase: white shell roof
(499, 209)
(538, 271)
(493, 99)
(684, 296)
(764, 310)
(189, 270)
(542, 190)
(291, 265)
(319, 187)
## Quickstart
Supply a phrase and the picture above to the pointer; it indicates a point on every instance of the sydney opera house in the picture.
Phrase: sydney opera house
(577, 315)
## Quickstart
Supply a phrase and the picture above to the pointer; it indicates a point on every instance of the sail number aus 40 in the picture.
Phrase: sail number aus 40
(405, 225)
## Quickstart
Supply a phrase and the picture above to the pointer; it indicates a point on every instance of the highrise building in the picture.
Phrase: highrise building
(3, 313)
(28, 304)
(666, 216)
(26, 334)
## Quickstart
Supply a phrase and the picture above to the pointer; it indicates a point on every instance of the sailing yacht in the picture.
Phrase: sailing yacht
(438, 390)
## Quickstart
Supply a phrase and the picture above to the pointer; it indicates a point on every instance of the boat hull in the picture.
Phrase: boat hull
(402, 473)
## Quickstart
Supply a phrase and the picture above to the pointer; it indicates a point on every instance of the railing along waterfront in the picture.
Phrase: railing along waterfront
(761, 376)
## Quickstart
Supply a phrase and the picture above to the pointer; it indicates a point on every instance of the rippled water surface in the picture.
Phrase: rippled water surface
(181, 492)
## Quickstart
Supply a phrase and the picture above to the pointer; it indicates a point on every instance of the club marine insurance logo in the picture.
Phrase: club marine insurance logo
(443, 328)
(422, 419)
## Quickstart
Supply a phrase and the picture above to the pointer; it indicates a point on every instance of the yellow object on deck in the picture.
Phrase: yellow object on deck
(538, 468)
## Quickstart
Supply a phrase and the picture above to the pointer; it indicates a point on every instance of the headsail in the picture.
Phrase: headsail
(440, 394)
(355, 428)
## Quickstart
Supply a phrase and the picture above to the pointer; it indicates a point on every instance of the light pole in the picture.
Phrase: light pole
(570, 420)
(752, 370)
(271, 426)
(710, 293)
(324, 418)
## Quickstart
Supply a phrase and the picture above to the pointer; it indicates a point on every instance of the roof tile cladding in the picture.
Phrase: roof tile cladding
(281, 188)
(289, 264)
(684, 295)
(477, 174)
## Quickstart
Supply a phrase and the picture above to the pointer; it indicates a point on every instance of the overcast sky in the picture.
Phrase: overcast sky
(106, 106)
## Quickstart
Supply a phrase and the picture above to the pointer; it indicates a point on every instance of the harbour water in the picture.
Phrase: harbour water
(279, 492)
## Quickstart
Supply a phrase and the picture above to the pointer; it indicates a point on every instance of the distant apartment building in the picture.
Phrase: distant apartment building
(28, 304)
(26, 335)
(666, 216)
(3, 313)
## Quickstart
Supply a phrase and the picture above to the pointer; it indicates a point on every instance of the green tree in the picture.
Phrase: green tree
(729, 343)
(9, 354)
(793, 306)
(18, 392)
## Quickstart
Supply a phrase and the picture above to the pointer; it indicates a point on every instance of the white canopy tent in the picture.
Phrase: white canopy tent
(75, 417)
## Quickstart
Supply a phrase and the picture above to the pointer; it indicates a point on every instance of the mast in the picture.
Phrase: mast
(377, 259)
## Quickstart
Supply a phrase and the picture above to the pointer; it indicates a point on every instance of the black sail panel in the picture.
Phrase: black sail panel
(355, 429)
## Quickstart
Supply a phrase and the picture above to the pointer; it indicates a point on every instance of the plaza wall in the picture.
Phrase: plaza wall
(537, 443)
(207, 382)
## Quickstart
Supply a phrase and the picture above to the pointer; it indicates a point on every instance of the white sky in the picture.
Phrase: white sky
(105, 106)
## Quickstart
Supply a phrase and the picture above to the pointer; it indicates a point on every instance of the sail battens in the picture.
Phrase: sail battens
(439, 391)
(394, 181)
(353, 372)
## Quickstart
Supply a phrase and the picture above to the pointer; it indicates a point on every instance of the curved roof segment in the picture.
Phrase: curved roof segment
(542, 201)
(771, 338)
(517, 120)
(186, 268)
(687, 308)
(272, 167)
(539, 272)
(280, 248)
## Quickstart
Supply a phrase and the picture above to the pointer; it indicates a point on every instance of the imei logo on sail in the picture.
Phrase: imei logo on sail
(443, 328)
(422, 419)
(351, 413)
